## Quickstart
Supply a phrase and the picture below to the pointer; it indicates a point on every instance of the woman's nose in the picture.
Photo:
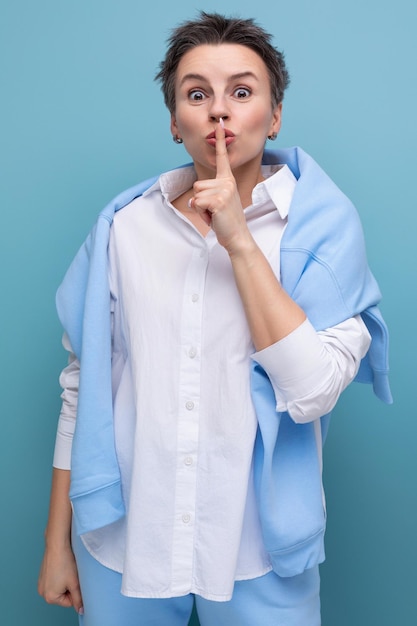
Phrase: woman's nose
(215, 117)
(218, 109)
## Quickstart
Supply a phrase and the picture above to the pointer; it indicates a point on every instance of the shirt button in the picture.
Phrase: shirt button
(189, 405)
(188, 460)
(192, 353)
(195, 297)
(186, 518)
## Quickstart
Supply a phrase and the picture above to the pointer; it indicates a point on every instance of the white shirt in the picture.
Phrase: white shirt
(183, 415)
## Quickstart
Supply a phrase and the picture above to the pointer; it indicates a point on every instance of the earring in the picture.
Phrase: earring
(272, 136)
(177, 139)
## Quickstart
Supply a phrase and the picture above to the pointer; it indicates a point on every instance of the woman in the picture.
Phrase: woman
(213, 316)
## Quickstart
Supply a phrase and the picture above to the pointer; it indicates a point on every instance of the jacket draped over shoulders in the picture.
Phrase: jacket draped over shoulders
(325, 270)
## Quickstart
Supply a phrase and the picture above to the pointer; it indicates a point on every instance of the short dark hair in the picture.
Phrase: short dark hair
(213, 28)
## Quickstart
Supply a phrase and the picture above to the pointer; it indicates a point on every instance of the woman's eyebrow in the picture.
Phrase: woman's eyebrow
(233, 77)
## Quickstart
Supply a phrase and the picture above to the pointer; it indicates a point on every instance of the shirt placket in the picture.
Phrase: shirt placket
(188, 417)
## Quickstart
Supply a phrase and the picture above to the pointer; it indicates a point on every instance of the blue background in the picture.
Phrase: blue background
(82, 119)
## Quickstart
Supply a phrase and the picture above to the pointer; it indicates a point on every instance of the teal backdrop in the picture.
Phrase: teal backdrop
(82, 119)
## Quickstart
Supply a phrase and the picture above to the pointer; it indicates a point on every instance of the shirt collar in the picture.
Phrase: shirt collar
(174, 183)
(277, 189)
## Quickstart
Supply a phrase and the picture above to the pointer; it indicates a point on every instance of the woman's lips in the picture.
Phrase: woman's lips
(211, 138)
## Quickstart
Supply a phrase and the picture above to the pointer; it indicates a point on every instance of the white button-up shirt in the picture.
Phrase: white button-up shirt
(184, 420)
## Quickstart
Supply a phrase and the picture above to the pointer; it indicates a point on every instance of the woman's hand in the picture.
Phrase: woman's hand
(270, 311)
(58, 579)
(218, 202)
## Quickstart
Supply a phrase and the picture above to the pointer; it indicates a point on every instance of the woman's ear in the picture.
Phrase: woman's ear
(276, 120)
(174, 127)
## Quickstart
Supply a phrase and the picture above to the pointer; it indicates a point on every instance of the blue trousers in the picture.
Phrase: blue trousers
(268, 601)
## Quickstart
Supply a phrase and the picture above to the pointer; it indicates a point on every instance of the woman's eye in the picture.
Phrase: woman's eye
(196, 96)
(242, 92)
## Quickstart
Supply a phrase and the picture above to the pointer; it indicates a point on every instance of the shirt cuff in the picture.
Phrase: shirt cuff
(308, 370)
(69, 381)
(63, 443)
(297, 366)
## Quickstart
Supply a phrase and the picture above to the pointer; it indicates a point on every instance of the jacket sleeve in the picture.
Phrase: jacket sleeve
(324, 266)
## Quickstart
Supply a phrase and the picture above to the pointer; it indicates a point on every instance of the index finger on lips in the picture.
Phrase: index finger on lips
(222, 158)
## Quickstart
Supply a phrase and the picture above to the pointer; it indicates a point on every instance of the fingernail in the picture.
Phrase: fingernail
(81, 611)
(221, 122)
(190, 203)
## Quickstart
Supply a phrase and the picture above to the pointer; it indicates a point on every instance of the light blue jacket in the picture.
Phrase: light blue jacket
(324, 268)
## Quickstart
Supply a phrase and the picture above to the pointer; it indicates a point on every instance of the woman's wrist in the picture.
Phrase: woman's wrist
(243, 248)
(57, 539)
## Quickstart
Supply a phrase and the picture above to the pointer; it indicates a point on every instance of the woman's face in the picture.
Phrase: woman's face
(229, 81)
